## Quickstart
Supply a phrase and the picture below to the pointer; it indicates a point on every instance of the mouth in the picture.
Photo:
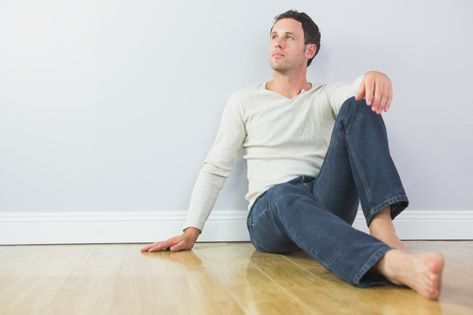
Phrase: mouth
(277, 55)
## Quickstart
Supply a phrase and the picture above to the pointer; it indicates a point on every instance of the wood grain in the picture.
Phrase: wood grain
(213, 278)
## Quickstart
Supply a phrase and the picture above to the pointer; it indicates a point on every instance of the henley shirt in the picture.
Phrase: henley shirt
(282, 138)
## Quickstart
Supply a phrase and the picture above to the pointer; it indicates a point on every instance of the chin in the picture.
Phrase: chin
(275, 66)
(279, 68)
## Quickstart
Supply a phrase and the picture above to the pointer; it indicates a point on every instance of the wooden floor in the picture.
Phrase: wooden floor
(213, 278)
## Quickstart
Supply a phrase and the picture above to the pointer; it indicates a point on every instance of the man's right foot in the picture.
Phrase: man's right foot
(420, 272)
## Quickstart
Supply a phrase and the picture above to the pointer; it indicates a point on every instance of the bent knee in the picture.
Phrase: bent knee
(351, 106)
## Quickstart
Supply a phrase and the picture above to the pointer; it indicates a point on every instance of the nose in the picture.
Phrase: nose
(278, 43)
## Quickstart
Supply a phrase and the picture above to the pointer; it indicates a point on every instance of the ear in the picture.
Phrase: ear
(310, 50)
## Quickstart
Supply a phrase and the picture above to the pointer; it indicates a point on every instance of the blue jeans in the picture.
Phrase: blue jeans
(316, 214)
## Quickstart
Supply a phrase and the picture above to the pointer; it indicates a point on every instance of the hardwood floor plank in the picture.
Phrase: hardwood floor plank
(255, 292)
(171, 283)
(33, 276)
(374, 300)
(309, 289)
(90, 287)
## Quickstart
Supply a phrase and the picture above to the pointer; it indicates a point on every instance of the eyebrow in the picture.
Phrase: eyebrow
(274, 32)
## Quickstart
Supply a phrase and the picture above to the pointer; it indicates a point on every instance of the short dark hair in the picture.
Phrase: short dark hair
(311, 30)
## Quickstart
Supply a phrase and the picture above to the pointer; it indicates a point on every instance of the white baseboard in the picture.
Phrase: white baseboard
(138, 227)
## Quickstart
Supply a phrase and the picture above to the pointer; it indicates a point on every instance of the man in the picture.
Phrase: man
(313, 153)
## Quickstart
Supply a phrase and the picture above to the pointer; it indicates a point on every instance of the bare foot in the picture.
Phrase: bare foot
(420, 272)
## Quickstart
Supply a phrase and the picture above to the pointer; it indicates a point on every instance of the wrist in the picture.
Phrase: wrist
(192, 231)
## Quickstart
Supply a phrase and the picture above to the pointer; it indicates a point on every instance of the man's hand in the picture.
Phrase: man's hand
(177, 243)
(377, 89)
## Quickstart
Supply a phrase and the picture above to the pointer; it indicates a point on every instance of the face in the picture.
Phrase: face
(287, 51)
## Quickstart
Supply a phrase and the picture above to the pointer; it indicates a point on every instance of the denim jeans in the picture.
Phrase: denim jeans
(316, 213)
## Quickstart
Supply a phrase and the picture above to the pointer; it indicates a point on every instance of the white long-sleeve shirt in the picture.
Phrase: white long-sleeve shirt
(282, 138)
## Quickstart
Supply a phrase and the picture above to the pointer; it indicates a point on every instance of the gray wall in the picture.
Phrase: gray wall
(113, 105)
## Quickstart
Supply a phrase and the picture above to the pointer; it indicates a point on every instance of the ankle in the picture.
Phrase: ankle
(386, 266)
(382, 228)
(381, 224)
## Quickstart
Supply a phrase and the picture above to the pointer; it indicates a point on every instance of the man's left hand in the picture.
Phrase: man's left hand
(377, 89)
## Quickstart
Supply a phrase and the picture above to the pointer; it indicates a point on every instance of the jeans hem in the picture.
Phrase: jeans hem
(401, 200)
(372, 260)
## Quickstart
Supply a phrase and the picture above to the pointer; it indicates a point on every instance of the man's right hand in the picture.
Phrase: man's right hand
(177, 243)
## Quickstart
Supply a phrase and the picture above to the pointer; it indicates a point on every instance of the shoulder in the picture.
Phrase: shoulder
(247, 91)
(244, 96)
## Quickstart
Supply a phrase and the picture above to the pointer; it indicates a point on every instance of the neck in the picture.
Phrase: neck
(287, 84)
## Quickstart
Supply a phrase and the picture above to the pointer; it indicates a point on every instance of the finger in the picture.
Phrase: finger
(369, 86)
(179, 246)
(147, 247)
(384, 99)
(153, 247)
(162, 245)
(377, 95)
(158, 247)
(385, 95)
(390, 97)
(361, 91)
(383, 102)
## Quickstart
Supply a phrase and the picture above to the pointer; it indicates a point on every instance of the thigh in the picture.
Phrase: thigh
(334, 187)
(266, 231)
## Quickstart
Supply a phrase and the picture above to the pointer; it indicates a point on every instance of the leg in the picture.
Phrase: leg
(358, 163)
(359, 156)
(287, 218)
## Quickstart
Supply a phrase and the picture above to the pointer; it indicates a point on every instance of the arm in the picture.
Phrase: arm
(212, 176)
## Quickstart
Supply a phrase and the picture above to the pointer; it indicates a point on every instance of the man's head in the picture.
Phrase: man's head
(294, 38)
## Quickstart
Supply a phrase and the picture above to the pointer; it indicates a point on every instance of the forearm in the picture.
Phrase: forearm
(204, 195)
